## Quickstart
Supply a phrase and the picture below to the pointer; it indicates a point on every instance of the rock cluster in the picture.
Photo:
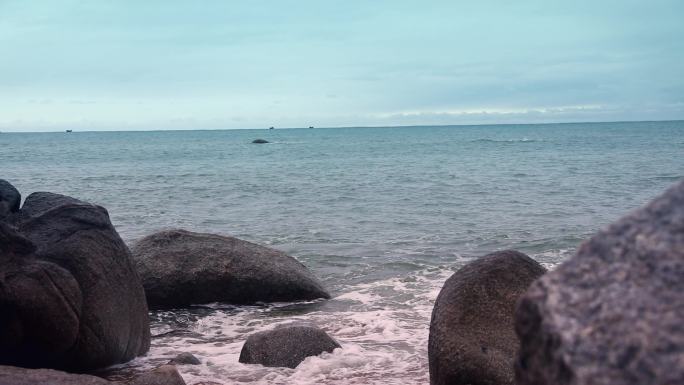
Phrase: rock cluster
(73, 297)
(70, 296)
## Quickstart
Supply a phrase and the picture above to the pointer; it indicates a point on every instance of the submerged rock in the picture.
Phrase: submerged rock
(286, 346)
(614, 312)
(185, 359)
(260, 141)
(180, 268)
(472, 338)
(70, 297)
(163, 375)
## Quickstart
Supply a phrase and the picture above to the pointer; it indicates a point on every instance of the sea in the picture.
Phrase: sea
(383, 215)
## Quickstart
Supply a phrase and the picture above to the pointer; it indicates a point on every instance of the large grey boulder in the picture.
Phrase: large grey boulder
(70, 297)
(9, 199)
(614, 312)
(180, 268)
(286, 346)
(472, 338)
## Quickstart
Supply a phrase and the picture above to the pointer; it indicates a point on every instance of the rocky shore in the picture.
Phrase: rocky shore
(74, 299)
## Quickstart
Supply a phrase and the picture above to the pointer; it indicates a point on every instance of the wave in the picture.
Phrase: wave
(523, 140)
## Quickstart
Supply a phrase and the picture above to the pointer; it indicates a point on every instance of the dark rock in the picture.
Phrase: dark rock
(260, 141)
(163, 375)
(286, 346)
(180, 268)
(614, 312)
(70, 297)
(10, 199)
(185, 359)
(10, 375)
(12, 243)
(472, 338)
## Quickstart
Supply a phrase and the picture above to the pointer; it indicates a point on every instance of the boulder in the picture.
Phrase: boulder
(10, 375)
(472, 338)
(614, 312)
(180, 268)
(286, 346)
(185, 359)
(9, 199)
(70, 297)
(260, 141)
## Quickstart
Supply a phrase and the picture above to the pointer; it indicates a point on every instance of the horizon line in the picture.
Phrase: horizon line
(347, 127)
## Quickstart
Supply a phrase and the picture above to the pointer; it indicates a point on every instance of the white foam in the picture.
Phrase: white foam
(382, 326)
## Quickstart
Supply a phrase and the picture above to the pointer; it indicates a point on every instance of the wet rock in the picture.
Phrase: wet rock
(163, 375)
(614, 312)
(180, 268)
(472, 338)
(286, 346)
(185, 359)
(9, 199)
(70, 297)
(260, 141)
(10, 375)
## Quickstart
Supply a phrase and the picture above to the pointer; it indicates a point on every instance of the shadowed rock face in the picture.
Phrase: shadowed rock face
(614, 312)
(9, 199)
(70, 297)
(180, 268)
(286, 346)
(472, 338)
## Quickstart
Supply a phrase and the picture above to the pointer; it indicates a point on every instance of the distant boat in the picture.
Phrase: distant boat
(68, 130)
(310, 126)
(270, 128)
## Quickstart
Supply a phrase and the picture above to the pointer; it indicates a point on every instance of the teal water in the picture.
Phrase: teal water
(382, 215)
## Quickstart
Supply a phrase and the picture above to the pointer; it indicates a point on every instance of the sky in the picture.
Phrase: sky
(135, 65)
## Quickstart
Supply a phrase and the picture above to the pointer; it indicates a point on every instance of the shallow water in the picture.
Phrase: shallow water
(382, 215)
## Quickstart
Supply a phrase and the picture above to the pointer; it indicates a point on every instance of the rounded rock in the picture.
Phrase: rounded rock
(286, 346)
(180, 268)
(472, 338)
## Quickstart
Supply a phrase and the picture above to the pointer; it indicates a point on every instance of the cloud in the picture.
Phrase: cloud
(140, 64)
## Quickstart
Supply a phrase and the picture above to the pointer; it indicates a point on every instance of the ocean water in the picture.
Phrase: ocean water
(382, 215)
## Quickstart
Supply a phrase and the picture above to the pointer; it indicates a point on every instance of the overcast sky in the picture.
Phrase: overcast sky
(251, 64)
